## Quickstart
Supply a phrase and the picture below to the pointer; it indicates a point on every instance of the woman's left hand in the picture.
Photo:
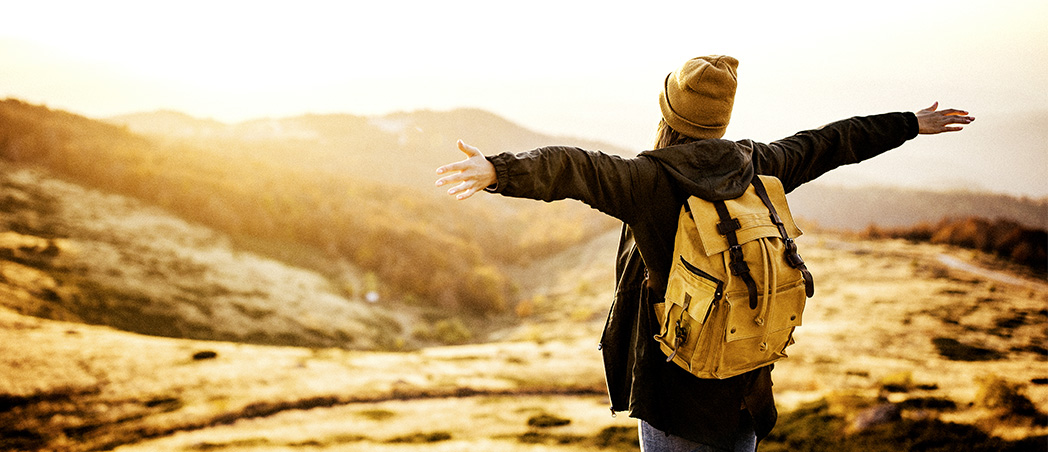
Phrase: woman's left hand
(931, 121)
(473, 174)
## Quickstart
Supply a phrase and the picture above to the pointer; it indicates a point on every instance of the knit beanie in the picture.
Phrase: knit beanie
(697, 99)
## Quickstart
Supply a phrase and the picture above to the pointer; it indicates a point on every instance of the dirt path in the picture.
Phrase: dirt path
(967, 267)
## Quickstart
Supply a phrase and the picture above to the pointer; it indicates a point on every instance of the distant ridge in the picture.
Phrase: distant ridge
(403, 148)
(474, 125)
(168, 122)
(855, 208)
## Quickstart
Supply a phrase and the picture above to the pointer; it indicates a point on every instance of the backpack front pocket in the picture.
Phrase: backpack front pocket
(752, 341)
(691, 298)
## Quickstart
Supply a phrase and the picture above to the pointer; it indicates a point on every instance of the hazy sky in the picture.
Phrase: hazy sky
(585, 69)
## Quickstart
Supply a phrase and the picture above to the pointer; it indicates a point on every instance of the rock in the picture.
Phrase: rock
(884, 413)
(206, 354)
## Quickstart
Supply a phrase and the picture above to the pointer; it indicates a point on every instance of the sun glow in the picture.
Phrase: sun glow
(563, 68)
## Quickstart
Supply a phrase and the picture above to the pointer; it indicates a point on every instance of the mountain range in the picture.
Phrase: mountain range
(425, 140)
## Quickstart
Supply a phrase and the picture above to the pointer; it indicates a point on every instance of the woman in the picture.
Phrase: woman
(676, 410)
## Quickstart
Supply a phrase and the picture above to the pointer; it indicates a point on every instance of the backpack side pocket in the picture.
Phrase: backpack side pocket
(691, 297)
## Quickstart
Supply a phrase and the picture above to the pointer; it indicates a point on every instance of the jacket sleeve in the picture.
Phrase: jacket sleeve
(608, 183)
(811, 153)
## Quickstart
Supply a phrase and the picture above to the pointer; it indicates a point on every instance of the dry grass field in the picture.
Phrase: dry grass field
(941, 339)
(880, 326)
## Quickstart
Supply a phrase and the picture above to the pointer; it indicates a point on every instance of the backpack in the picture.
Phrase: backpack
(737, 286)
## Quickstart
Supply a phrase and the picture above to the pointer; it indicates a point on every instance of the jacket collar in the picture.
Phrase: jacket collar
(712, 169)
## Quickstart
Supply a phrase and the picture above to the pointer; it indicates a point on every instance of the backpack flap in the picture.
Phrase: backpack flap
(753, 217)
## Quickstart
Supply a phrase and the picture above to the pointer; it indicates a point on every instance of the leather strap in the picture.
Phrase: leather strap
(738, 266)
(790, 254)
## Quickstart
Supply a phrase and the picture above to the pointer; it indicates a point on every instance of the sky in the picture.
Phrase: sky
(584, 69)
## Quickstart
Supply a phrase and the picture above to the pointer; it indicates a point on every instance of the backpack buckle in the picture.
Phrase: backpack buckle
(794, 260)
(727, 227)
(738, 263)
(681, 333)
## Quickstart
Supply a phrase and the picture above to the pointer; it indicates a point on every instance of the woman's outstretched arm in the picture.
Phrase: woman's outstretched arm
(806, 155)
(608, 183)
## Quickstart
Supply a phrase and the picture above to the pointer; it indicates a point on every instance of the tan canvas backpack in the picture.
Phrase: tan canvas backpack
(737, 286)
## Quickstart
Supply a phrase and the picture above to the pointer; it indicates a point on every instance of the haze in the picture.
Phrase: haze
(583, 69)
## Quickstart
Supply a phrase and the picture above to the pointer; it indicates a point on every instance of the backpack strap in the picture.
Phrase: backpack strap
(792, 258)
(728, 226)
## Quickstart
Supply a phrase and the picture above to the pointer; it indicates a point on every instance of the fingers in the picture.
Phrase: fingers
(460, 171)
(462, 165)
(465, 189)
(470, 175)
(457, 166)
(955, 120)
(954, 117)
(469, 150)
(932, 108)
(450, 179)
(930, 121)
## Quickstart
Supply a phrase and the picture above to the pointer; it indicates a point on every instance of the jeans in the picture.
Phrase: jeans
(654, 440)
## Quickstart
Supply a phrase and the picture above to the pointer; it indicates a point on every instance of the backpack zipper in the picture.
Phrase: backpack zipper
(695, 270)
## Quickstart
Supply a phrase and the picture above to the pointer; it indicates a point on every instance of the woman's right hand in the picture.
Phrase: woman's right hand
(473, 174)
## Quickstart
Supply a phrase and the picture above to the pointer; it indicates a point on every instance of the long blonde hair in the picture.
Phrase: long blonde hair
(665, 136)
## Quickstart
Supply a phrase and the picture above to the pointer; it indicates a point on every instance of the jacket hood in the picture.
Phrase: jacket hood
(712, 169)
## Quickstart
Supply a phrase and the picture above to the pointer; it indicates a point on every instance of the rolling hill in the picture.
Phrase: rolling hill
(310, 188)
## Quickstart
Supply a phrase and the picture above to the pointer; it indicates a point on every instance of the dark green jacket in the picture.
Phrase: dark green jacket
(646, 193)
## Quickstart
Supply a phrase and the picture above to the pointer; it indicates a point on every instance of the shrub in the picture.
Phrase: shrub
(545, 420)
(445, 331)
(618, 437)
(954, 350)
(205, 354)
(1000, 394)
(898, 382)
(525, 308)
(815, 427)
(484, 290)
(377, 414)
(422, 438)
(1004, 238)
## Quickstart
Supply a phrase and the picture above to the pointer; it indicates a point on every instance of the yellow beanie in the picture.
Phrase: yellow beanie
(697, 99)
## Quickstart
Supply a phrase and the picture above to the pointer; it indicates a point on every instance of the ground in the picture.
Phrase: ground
(885, 313)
